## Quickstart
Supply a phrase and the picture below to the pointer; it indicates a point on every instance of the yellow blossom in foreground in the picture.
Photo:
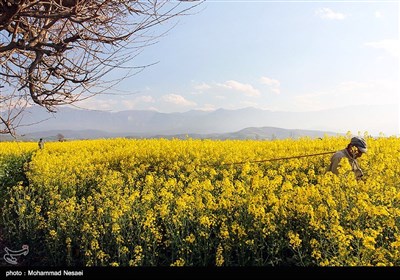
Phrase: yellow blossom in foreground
(152, 202)
(178, 262)
(294, 239)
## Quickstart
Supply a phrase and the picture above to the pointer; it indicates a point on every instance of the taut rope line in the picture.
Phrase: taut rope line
(276, 159)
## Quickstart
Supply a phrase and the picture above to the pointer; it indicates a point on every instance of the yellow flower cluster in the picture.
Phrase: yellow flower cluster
(131, 202)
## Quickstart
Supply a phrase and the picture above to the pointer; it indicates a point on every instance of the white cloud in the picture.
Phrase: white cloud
(129, 104)
(132, 104)
(353, 85)
(390, 46)
(248, 104)
(207, 107)
(146, 99)
(11, 102)
(378, 14)
(220, 97)
(97, 104)
(247, 89)
(273, 84)
(276, 90)
(326, 13)
(374, 92)
(177, 100)
(202, 86)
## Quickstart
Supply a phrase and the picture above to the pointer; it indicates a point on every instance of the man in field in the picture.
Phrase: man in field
(354, 150)
(41, 143)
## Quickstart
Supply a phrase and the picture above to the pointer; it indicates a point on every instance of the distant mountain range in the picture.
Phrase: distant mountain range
(256, 133)
(246, 123)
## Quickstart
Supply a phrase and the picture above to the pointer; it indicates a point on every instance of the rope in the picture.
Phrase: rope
(276, 159)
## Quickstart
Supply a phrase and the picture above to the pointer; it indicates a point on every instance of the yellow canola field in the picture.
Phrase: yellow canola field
(125, 202)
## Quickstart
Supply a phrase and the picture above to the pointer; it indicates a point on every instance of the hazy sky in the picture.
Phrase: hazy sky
(275, 55)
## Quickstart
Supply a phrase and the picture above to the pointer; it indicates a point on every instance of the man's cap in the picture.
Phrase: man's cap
(360, 143)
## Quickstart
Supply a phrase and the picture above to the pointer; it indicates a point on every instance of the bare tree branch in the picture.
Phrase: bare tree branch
(53, 51)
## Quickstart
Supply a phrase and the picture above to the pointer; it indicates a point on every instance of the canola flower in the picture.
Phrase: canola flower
(130, 202)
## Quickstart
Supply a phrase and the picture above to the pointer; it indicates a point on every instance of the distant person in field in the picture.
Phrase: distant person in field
(354, 150)
(41, 143)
